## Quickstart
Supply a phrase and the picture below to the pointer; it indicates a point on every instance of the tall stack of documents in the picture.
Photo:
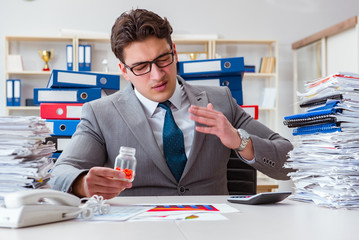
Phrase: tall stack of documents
(62, 100)
(24, 159)
(326, 142)
(216, 72)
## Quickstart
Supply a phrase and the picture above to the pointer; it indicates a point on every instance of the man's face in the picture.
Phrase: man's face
(159, 84)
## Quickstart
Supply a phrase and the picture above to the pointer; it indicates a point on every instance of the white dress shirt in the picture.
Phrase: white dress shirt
(179, 107)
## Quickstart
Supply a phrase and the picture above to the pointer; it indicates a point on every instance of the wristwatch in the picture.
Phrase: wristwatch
(244, 137)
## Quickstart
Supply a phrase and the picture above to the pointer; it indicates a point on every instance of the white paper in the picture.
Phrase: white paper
(269, 98)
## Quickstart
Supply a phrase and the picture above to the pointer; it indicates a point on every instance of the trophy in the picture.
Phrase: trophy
(193, 56)
(46, 56)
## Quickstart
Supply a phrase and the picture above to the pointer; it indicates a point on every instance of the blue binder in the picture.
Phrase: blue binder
(65, 95)
(211, 67)
(69, 57)
(250, 68)
(81, 57)
(238, 95)
(62, 127)
(232, 82)
(75, 79)
(56, 155)
(328, 109)
(321, 128)
(17, 92)
(88, 53)
(9, 93)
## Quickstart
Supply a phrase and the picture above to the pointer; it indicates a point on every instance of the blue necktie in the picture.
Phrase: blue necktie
(173, 143)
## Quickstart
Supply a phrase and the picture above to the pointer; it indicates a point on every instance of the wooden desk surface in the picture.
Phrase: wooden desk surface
(285, 220)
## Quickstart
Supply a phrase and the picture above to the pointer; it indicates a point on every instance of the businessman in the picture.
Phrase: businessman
(183, 134)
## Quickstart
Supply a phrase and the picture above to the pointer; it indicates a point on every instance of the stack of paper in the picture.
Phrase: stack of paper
(326, 152)
(24, 159)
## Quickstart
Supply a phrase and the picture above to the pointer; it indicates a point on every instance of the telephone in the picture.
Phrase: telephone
(38, 206)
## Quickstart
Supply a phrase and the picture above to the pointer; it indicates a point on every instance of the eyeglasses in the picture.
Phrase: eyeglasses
(143, 68)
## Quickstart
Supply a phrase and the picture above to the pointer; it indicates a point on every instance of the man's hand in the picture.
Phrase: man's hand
(100, 181)
(217, 124)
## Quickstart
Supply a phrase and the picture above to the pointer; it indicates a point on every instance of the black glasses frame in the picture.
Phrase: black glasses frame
(151, 62)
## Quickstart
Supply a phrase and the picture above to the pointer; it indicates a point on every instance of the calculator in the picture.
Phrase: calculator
(260, 198)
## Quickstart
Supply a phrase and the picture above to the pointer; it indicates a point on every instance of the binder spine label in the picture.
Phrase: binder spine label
(53, 96)
(194, 67)
(73, 111)
(66, 77)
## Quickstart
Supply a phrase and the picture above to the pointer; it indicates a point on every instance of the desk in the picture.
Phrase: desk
(285, 220)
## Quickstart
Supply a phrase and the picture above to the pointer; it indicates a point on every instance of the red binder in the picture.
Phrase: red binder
(60, 110)
(251, 109)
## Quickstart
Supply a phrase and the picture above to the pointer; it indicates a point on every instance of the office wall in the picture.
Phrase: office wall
(284, 20)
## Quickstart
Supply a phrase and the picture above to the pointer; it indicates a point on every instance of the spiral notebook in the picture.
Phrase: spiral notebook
(321, 128)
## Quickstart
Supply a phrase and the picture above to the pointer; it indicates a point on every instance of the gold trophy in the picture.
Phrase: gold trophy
(46, 56)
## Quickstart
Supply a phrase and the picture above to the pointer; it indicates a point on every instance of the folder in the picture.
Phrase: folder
(252, 110)
(232, 82)
(59, 141)
(211, 67)
(81, 56)
(62, 127)
(321, 100)
(60, 110)
(321, 128)
(69, 57)
(249, 68)
(17, 92)
(74, 79)
(238, 95)
(87, 66)
(55, 155)
(65, 95)
(9, 92)
(327, 109)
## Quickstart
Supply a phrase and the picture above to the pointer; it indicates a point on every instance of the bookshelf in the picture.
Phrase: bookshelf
(254, 84)
(32, 75)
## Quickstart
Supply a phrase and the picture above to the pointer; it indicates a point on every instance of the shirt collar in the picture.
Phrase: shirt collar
(150, 106)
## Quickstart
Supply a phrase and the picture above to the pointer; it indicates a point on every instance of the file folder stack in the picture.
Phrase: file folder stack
(326, 152)
(24, 159)
(62, 100)
(218, 72)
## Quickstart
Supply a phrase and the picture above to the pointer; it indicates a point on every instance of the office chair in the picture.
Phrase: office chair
(241, 178)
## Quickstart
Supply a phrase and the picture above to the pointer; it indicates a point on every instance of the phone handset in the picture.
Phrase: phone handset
(39, 206)
(41, 196)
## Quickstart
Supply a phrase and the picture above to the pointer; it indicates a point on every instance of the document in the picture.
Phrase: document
(166, 212)
(186, 212)
(24, 159)
(326, 154)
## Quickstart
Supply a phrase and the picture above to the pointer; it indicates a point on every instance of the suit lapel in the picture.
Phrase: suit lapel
(198, 98)
(131, 111)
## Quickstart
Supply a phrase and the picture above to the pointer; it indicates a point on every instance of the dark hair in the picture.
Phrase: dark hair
(137, 25)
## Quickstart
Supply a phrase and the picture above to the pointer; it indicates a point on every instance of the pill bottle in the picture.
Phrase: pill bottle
(126, 162)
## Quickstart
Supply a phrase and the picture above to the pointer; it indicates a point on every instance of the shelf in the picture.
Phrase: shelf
(267, 109)
(235, 41)
(259, 75)
(190, 41)
(39, 38)
(23, 108)
(46, 73)
(95, 39)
